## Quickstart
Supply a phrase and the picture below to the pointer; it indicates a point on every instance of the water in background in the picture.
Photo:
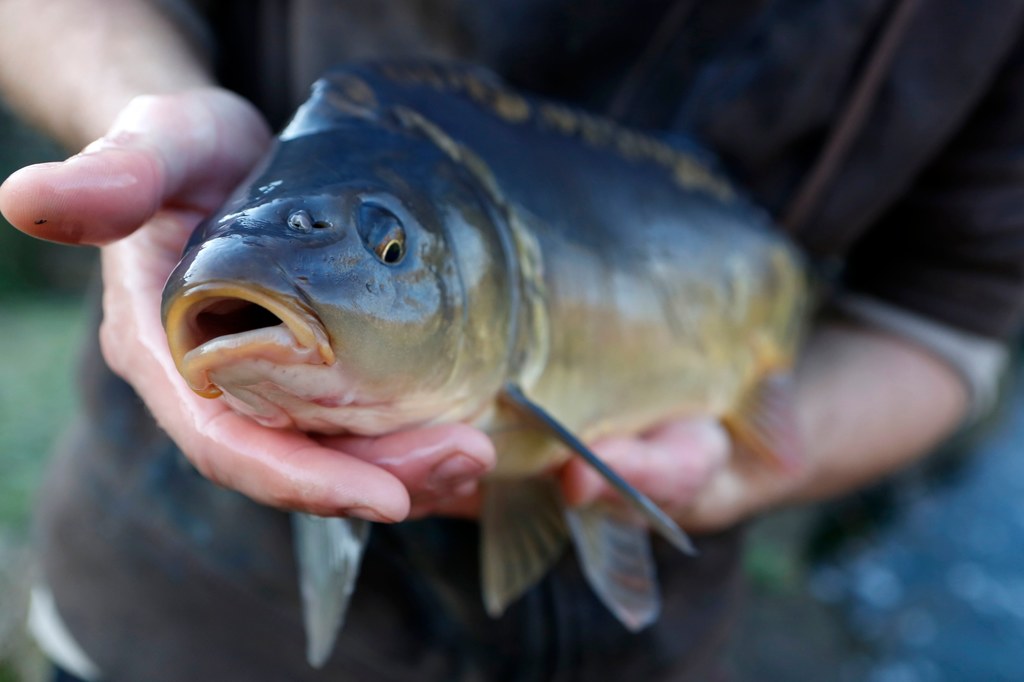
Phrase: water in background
(937, 592)
(920, 579)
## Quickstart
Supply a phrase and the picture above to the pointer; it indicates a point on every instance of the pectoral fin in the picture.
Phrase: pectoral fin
(615, 553)
(658, 520)
(328, 552)
(765, 421)
(523, 534)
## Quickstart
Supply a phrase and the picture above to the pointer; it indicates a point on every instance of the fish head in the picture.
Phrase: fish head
(358, 283)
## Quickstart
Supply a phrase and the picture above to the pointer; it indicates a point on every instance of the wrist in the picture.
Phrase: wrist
(868, 404)
(110, 52)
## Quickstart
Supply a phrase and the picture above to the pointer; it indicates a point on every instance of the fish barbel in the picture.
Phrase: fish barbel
(423, 245)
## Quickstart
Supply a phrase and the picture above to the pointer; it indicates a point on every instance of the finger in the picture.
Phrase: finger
(582, 485)
(187, 149)
(285, 469)
(669, 464)
(88, 199)
(720, 504)
(432, 461)
(464, 502)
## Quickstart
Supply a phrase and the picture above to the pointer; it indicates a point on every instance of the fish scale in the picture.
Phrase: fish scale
(476, 254)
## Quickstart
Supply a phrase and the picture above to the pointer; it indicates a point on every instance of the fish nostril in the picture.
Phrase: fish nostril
(300, 221)
(227, 316)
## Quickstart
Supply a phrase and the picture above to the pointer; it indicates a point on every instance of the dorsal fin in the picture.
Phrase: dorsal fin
(658, 520)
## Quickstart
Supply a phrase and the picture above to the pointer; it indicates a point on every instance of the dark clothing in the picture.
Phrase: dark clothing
(61, 675)
(154, 569)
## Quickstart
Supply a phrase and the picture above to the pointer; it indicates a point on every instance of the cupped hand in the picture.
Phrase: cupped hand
(138, 192)
(690, 469)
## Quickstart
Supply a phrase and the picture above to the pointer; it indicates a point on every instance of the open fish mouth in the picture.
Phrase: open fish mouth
(214, 323)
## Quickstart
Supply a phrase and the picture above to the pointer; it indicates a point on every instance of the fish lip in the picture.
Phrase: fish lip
(184, 308)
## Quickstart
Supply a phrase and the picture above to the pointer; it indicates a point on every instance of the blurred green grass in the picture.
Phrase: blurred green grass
(40, 332)
(38, 349)
(39, 335)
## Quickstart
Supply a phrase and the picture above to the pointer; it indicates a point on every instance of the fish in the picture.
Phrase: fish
(425, 244)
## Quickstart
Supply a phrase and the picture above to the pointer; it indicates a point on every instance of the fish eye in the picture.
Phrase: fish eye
(382, 233)
(391, 252)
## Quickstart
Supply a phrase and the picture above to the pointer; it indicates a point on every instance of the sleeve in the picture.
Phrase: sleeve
(952, 249)
(980, 362)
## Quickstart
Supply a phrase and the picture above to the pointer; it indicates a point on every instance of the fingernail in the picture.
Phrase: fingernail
(458, 468)
(368, 514)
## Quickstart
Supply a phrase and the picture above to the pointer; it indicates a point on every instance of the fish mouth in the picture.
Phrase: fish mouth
(214, 322)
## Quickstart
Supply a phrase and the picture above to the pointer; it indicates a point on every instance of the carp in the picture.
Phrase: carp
(424, 244)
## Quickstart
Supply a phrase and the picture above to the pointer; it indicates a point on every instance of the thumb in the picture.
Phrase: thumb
(187, 149)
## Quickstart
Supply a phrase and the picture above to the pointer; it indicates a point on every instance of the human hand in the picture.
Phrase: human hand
(138, 192)
(688, 468)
